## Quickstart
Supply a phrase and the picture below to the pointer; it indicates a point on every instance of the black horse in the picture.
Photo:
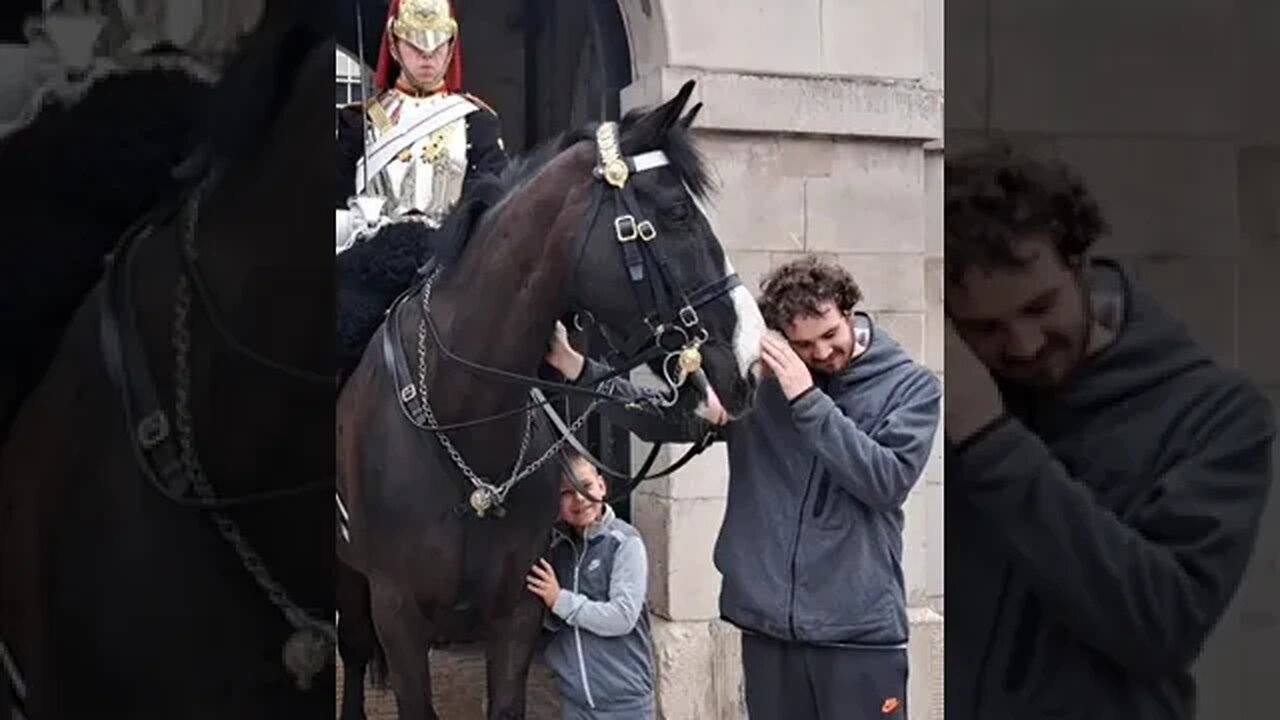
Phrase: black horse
(603, 221)
(159, 489)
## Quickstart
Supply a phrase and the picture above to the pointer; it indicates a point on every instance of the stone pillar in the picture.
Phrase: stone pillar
(829, 142)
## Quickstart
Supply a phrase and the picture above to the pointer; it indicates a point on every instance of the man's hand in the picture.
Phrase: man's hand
(793, 375)
(562, 356)
(973, 400)
(542, 582)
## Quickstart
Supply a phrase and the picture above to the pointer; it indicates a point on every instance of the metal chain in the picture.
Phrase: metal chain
(499, 492)
(252, 562)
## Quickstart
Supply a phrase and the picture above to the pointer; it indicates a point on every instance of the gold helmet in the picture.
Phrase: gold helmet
(426, 24)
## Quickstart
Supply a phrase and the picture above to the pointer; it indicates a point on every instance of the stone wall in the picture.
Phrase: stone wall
(1169, 110)
(826, 142)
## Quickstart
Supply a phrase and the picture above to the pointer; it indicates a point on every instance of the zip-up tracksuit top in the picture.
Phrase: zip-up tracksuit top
(601, 652)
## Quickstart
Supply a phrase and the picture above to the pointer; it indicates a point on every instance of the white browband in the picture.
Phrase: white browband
(648, 161)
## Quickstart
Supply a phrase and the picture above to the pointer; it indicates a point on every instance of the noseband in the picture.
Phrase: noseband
(673, 330)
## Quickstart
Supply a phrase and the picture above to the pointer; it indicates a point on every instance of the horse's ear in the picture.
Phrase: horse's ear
(688, 118)
(661, 119)
(675, 106)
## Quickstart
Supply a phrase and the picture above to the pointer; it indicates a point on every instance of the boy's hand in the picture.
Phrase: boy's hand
(542, 582)
(561, 355)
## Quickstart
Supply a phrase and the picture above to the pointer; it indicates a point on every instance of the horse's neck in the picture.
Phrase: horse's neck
(497, 308)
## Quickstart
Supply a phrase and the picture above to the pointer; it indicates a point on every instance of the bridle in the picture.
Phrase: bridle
(672, 332)
(164, 445)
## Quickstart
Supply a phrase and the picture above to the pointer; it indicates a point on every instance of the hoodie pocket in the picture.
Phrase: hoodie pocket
(824, 492)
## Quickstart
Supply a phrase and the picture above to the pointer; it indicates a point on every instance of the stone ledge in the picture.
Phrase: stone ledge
(844, 106)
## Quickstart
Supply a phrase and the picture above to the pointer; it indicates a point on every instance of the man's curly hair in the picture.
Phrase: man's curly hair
(996, 197)
(799, 287)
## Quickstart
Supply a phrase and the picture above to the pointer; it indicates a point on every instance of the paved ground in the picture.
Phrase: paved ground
(457, 678)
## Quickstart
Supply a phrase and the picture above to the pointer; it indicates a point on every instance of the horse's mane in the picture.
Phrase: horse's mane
(486, 194)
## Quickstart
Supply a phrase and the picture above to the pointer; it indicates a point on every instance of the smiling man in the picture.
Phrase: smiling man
(1105, 476)
(811, 545)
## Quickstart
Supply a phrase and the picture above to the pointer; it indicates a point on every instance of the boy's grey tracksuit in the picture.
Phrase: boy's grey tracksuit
(601, 652)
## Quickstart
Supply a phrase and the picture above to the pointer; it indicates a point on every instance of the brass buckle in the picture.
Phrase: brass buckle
(630, 233)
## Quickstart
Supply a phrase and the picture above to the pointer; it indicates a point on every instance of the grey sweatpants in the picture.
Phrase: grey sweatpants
(640, 711)
(791, 681)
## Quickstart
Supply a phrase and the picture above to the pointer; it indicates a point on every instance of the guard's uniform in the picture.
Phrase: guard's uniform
(421, 146)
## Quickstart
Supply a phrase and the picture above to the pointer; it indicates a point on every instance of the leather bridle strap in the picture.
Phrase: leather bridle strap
(629, 481)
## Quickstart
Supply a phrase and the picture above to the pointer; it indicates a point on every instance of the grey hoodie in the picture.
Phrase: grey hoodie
(811, 544)
(601, 652)
(1101, 530)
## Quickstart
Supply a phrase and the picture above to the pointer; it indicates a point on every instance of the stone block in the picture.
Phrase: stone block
(753, 209)
(915, 546)
(805, 156)
(1200, 294)
(1259, 343)
(935, 558)
(960, 140)
(1162, 197)
(935, 313)
(890, 283)
(874, 201)
(1262, 63)
(680, 537)
(729, 35)
(907, 329)
(1151, 67)
(879, 38)
(646, 35)
(751, 266)
(1259, 191)
(1217, 671)
(768, 103)
(1258, 661)
(926, 655)
(935, 22)
(934, 163)
(698, 669)
(705, 477)
(966, 65)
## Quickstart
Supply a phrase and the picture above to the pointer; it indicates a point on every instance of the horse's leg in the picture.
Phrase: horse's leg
(405, 635)
(510, 652)
(357, 640)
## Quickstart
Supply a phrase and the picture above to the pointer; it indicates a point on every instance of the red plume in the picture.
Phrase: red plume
(384, 75)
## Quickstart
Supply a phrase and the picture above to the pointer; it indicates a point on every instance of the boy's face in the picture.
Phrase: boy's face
(575, 510)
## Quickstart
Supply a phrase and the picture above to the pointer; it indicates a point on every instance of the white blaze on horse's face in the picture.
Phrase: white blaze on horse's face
(750, 328)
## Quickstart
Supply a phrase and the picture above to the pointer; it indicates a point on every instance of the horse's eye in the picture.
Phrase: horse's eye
(679, 212)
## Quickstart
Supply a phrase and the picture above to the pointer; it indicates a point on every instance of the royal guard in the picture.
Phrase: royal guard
(423, 137)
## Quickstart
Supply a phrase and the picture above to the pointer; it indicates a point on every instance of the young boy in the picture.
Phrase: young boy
(601, 652)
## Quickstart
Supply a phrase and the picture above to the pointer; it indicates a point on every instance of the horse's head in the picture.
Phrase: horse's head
(653, 272)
